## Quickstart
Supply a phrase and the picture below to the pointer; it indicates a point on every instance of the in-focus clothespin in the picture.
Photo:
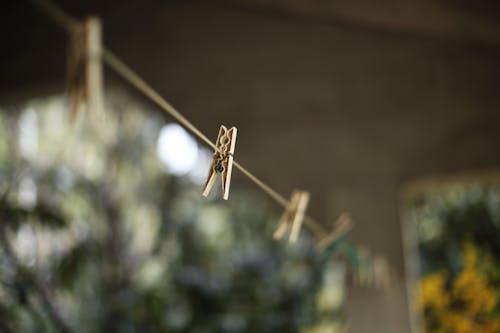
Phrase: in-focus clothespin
(222, 161)
(343, 225)
(294, 215)
(84, 68)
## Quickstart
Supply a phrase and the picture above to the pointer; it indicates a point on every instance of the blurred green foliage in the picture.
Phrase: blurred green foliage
(97, 236)
(458, 241)
(448, 216)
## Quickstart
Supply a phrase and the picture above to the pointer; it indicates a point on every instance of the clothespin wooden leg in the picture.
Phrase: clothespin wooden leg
(293, 215)
(84, 68)
(280, 231)
(228, 164)
(343, 225)
(303, 201)
(210, 181)
(287, 216)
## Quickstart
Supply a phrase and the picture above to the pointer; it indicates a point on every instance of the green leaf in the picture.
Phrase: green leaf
(49, 216)
(71, 264)
(12, 215)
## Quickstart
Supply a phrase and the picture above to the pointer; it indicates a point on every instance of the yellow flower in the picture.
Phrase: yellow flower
(469, 254)
(468, 304)
(432, 292)
(471, 287)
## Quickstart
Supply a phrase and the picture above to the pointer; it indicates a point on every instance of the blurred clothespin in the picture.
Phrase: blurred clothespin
(343, 225)
(364, 273)
(222, 162)
(381, 272)
(294, 215)
(84, 68)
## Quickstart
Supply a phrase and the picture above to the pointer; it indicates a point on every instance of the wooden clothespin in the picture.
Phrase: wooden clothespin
(294, 215)
(381, 272)
(222, 161)
(84, 69)
(365, 272)
(343, 225)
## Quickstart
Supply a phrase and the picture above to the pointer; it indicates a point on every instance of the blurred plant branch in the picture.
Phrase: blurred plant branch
(24, 275)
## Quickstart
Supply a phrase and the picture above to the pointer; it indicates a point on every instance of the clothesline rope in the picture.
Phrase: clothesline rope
(69, 23)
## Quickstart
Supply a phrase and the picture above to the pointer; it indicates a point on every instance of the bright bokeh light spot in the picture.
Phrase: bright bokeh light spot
(28, 134)
(27, 194)
(25, 244)
(177, 149)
